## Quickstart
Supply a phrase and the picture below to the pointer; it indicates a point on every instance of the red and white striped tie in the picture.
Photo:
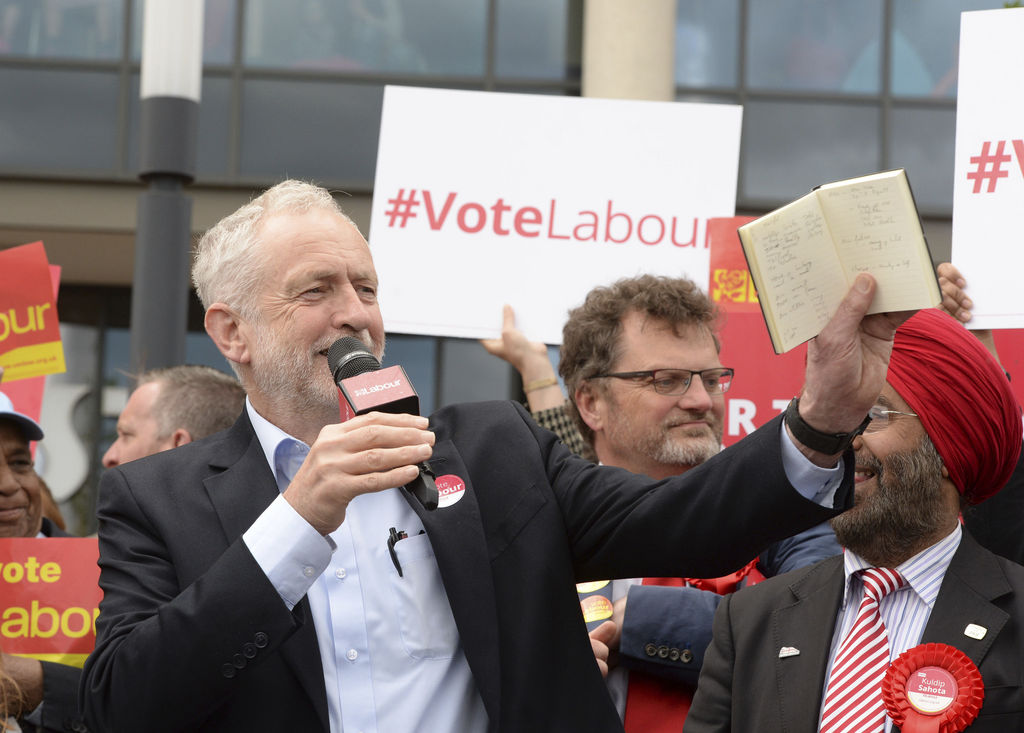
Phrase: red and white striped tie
(853, 702)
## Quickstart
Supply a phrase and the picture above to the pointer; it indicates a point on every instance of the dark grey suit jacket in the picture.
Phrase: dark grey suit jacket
(745, 686)
(192, 636)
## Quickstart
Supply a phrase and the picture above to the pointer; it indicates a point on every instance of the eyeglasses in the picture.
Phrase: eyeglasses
(677, 381)
(881, 418)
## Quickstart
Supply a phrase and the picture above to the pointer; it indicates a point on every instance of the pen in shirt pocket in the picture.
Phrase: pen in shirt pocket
(394, 535)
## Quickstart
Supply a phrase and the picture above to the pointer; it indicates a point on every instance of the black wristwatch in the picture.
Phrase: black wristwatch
(829, 443)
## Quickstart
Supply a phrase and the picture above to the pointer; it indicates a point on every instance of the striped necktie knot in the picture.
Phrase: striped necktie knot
(880, 582)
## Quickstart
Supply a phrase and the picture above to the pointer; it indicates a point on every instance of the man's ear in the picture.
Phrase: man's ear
(180, 437)
(228, 332)
(591, 406)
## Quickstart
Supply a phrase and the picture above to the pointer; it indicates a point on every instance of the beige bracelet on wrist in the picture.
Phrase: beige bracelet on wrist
(539, 384)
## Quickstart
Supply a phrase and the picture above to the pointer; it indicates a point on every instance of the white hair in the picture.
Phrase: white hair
(227, 267)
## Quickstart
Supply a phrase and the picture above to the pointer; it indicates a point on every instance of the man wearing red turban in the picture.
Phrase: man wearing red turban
(945, 432)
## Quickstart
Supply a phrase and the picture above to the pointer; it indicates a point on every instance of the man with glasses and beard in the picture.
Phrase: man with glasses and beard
(640, 359)
(945, 433)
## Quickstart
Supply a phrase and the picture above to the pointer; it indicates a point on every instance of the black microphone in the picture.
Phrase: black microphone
(365, 387)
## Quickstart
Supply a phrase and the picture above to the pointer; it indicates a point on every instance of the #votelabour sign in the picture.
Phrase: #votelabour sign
(988, 179)
(483, 199)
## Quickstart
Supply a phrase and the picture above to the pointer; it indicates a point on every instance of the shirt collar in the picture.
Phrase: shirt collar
(277, 445)
(921, 571)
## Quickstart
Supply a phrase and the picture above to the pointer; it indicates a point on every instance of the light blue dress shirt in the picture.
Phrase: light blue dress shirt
(390, 650)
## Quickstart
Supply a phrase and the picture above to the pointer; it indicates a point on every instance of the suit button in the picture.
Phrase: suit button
(261, 639)
(673, 654)
(248, 650)
(228, 670)
(663, 652)
(686, 656)
(650, 650)
(238, 661)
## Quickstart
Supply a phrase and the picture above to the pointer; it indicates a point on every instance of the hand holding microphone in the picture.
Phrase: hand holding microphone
(366, 387)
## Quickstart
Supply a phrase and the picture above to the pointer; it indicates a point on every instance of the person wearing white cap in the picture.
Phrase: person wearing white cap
(48, 691)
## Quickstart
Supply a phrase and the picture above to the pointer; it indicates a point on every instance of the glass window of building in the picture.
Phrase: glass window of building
(61, 29)
(538, 39)
(815, 45)
(393, 36)
(707, 43)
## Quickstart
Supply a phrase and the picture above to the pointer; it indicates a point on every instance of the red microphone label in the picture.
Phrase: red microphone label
(386, 390)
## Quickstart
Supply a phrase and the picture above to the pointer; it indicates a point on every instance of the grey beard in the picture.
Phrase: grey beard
(905, 511)
(693, 453)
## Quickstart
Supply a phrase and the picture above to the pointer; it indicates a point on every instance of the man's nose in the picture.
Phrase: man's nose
(697, 397)
(350, 311)
(110, 457)
(8, 482)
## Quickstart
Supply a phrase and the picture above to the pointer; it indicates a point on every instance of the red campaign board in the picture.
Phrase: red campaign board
(1010, 345)
(30, 343)
(765, 381)
(27, 394)
(51, 595)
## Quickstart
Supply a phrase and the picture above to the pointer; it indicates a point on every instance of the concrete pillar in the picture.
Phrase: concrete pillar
(629, 49)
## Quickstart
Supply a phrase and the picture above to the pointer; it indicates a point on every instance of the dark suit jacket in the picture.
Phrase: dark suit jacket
(799, 609)
(998, 522)
(681, 618)
(192, 635)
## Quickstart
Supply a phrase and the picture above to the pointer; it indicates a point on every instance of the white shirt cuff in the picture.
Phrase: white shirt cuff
(290, 551)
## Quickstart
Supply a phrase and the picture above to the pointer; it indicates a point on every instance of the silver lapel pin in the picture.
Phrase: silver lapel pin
(975, 632)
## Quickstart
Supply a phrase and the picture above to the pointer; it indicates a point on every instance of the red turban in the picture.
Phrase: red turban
(963, 398)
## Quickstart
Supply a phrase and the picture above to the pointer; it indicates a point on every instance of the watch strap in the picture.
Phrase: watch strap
(828, 443)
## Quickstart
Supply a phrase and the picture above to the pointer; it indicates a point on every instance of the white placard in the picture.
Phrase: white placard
(483, 198)
(988, 189)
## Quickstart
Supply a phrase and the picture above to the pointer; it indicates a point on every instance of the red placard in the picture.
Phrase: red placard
(765, 382)
(30, 343)
(51, 595)
(27, 394)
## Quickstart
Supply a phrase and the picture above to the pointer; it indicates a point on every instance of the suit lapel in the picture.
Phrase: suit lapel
(457, 536)
(806, 626)
(240, 492)
(972, 581)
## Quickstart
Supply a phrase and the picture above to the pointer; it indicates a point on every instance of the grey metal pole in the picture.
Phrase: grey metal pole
(160, 286)
(169, 126)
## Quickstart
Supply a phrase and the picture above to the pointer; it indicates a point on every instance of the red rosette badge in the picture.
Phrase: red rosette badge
(933, 688)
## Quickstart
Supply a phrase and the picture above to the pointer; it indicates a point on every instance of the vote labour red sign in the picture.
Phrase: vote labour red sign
(50, 590)
(29, 329)
(765, 382)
